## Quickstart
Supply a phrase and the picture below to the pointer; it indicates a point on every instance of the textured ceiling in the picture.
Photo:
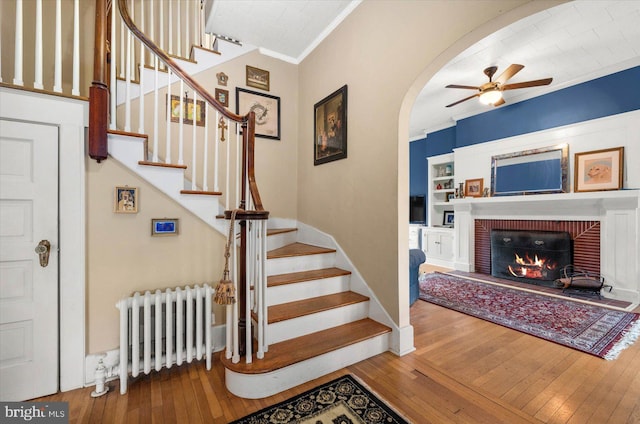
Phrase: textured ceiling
(574, 42)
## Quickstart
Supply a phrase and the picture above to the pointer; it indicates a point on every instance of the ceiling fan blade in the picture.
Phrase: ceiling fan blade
(462, 86)
(509, 73)
(535, 83)
(499, 102)
(463, 100)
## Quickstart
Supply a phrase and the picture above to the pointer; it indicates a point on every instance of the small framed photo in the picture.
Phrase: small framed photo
(599, 170)
(473, 188)
(330, 127)
(164, 227)
(257, 78)
(126, 199)
(450, 196)
(266, 108)
(447, 219)
(222, 96)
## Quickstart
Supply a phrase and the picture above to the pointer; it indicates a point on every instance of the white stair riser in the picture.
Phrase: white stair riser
(306, 289)
(296, 327)
(276, 241)
(300, 263)
(256, 386)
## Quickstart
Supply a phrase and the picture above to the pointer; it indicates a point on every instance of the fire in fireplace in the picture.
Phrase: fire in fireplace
(531, 256)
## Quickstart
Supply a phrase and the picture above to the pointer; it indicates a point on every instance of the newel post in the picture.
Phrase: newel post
(99, 91)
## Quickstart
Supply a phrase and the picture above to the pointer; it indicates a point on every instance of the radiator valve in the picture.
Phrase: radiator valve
(101, 374)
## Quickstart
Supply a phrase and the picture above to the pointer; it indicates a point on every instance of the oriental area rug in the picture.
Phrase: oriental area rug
(599, 331)
(341, 401)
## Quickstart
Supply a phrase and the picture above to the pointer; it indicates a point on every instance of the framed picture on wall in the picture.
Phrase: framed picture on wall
(126, 199)
(330, 127)
(599, 170)
(164, 227)
(266, 108)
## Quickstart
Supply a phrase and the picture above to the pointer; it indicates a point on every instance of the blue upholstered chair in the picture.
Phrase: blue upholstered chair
(416, 258)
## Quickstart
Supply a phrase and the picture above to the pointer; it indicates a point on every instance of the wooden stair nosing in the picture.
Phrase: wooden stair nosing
(297, 249)
(301, 276)
(299, 349)
(201, 192)
(299, 308)
(162, 165)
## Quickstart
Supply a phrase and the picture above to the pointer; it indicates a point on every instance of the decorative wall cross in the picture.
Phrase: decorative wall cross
(222, 126)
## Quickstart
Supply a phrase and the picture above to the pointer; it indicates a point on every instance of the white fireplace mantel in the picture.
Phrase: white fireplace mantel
(617, 211)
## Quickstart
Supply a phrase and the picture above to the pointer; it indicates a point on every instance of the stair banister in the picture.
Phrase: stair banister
(99, 92)
(241, 336)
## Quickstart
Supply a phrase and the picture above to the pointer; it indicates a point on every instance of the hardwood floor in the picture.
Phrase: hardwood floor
(464, 370)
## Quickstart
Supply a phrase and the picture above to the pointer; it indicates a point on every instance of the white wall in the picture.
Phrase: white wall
(613, 131)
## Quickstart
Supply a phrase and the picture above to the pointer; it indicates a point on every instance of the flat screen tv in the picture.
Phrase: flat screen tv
(417, 210)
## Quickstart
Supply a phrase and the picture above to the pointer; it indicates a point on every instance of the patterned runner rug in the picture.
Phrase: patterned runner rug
(592, 329)
(343, 400)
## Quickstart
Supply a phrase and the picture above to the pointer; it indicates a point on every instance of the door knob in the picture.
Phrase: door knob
(42, 249)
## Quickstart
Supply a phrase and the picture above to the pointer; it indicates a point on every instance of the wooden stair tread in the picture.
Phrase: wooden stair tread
(297, 277)
(299, 308)
(274, 231)
(299, 349)
(297, 249)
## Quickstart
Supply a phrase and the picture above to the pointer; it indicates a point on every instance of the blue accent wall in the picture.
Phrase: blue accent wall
(605, 96)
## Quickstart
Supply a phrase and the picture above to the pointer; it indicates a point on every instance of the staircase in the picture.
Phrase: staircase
(319, 311)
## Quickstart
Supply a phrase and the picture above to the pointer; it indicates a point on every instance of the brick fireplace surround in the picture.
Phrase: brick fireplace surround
(604, 228)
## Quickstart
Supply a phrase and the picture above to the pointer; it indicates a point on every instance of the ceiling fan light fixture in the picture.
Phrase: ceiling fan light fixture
(490, 96)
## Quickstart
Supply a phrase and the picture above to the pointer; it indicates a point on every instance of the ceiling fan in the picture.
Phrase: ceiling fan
(490, 93)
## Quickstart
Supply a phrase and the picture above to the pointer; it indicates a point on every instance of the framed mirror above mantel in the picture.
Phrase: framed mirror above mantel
(536, 171)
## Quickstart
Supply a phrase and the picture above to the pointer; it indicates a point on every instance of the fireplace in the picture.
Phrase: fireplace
(530, 256)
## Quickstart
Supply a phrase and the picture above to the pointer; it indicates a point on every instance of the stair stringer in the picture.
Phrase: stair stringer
(128, 150)
(401, 339)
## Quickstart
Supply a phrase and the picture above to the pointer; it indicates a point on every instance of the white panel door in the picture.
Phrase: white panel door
(28, 291)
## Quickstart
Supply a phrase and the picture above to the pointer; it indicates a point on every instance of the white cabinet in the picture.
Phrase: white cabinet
(437, 244)
(441, 186)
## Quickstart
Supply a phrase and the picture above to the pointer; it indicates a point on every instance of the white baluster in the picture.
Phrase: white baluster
(38, 59)
(112, 74)
(161, 23)
(156, 100)
(135, 335)
(196, 24)
(238, 175)
(187, 35)
(158, 332)
(127, 101)
(147, 332)
(205, 160)
(179, 29)
(194, 144)
(122, 50)
(170, 24)
(17, 66)
(169, 328)
(57, 69)
(247, 290)
(216, 145)
(229, 339)
(261, 292)
(141, 77)
(181, 126)
(263, 263)
(167, 153)
(75, 88)
(0, 55)
(236, 337)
